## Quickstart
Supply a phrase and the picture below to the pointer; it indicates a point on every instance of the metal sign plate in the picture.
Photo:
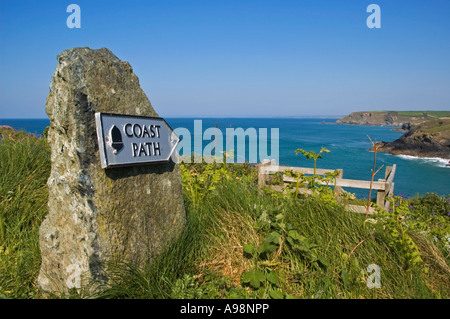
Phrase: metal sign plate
(131, 140)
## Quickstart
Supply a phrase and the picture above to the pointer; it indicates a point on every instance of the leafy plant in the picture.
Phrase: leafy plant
(199, 185)
(307, 249)
(396, 224)
(187, 287)
(300, 248)
(281, 239)
(346, 197)
(312, 155)
(209, 286)
(298, 182)
(254, 277)
(225, 156)
(431, 204)
(318, 184)
(375, 147)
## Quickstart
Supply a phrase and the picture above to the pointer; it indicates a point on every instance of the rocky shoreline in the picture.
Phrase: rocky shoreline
(429, 139)
(388, 118)
(427, 133)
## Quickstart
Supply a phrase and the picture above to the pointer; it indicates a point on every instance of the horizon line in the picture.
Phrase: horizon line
(206, 117)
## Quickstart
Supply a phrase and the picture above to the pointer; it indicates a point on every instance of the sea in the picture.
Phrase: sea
(348, 145)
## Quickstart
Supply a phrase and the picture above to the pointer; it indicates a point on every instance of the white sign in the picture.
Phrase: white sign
(131, 140)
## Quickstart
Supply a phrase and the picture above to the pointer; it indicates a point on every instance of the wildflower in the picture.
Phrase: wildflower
(432, 213)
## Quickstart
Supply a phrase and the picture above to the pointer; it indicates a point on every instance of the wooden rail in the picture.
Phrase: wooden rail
(384, 187)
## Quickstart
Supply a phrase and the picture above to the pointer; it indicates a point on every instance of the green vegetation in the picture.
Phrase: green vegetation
(24, 169)
(239, 241)
(390, 117)
(418, 113)
(436, 126)
(425, 113)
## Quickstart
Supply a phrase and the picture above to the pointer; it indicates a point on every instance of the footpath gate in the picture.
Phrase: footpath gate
(384, 187)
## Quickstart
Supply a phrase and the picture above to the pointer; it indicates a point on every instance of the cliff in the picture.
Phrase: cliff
(392, 118)
(428, 139)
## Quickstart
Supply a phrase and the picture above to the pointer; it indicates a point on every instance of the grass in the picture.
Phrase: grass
(239, 242)
(24, 169)
(436, 126)
(418, 113)
(423, 114)
(438, 129)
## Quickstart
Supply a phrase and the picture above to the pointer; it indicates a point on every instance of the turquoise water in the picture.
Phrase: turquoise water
(348, 147)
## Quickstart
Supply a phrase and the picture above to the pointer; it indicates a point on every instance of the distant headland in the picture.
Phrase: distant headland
(427, 133)
(392, 118)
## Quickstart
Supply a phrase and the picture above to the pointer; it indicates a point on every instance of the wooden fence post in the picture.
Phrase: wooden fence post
(389, 184)
(262, 175)
(384, 187)
(381, 194)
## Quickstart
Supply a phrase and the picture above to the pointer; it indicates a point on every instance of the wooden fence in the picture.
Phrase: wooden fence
(384, 187)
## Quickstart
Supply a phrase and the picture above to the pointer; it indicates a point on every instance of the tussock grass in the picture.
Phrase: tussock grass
(24, 169)
(224, 253)
(208, 260)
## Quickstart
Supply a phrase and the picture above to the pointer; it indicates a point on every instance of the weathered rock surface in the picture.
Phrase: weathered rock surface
(97, 215)
(370, 118)
(430, 139)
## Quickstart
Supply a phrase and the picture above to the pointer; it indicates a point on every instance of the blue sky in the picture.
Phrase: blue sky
(243, 58)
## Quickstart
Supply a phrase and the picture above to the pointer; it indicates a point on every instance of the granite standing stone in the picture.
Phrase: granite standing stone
(98, 215)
